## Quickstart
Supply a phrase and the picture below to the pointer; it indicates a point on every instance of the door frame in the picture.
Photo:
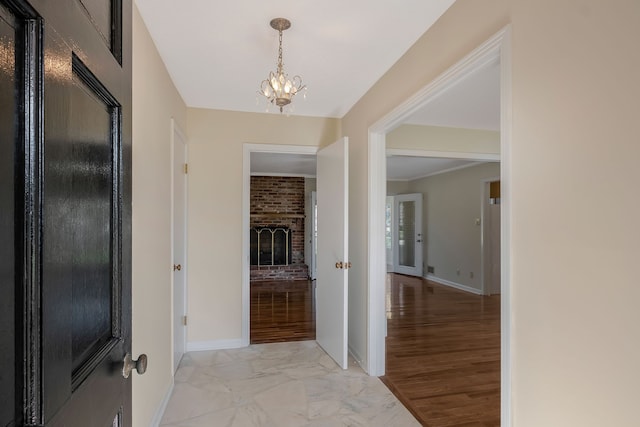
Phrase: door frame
(177, 131)
(496, 47)
(247, 149)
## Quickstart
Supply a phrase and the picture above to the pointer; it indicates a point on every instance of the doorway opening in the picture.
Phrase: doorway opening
(278, 293)
(443, 335)
(495, 49)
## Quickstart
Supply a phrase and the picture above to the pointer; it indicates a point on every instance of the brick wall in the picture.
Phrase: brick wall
(279, 201)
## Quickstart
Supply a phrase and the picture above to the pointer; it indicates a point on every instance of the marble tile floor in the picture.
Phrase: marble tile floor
(279, 385)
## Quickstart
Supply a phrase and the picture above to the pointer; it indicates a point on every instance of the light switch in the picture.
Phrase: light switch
(477, 221)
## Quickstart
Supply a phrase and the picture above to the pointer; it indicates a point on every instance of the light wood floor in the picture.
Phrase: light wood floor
(282, 311)
(443, 353)
(443, 345)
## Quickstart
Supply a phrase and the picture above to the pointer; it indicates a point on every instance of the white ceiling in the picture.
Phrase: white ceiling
(405, 168)
(217, 52)
(473, 103)
(399, 168)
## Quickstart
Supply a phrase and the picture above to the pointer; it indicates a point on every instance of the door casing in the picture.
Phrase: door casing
(497, 47)
(247, 149)
(179, 231)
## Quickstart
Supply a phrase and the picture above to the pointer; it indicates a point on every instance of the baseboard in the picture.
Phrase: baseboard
(214, 345)
(362, 362)
(155, 422)
(453, 284)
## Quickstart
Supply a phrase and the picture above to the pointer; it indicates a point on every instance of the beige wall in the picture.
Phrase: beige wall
(574, 183)
(575, 236)
(451, 204)
(155, 102)
(397, 187)
(438, 138)
(215, 209)
(462, 28)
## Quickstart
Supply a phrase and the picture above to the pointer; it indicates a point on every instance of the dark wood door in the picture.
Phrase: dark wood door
(65, 265)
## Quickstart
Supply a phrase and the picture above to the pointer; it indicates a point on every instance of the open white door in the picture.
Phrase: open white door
(311, 231)
(332, 258)
(179, 246)
(407, 234)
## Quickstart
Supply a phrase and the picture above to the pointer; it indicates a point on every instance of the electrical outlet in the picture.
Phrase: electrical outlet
(458, 272)
(431, 269)
(471, 274)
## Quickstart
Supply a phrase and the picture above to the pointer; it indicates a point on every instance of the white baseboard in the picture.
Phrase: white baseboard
(155, 422)
(453, 284)
(215, 345)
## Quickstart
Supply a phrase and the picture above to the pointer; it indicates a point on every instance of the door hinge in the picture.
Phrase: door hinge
(184, 320)
(186, 168)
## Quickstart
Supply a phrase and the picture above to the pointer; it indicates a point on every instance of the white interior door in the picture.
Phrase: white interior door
(314, 236)
(179, 246)
(332, 258)
(311, 230)
(407, 234)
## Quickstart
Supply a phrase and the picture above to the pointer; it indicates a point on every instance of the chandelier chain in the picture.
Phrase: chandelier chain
(280, 64)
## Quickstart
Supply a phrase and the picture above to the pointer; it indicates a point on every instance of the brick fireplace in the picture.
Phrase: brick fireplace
(277, 229)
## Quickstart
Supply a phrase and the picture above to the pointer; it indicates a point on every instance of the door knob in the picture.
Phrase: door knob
(177, 267)
(339, 265)
(129, 365)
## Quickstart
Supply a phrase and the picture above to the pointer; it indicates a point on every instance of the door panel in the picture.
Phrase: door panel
(88, 208)
(72, 233)
(333, 253)
(407, 234)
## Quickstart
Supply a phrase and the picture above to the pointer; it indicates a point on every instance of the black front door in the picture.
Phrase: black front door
(65, 261)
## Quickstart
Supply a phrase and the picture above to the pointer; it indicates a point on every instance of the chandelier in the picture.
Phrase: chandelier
(278, 88)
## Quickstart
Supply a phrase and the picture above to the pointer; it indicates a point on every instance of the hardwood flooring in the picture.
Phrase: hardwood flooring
(443, 345)
(282, 311)
(443, 353)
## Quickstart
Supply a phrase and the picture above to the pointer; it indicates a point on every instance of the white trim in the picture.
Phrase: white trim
(377, 252)
(157, 418)
(247, 149)
(455, 285)
(175, 129)
(291, 175)
(506, 217)
(215, 345)
(484, 157)
(282, 148)
(497, 47)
